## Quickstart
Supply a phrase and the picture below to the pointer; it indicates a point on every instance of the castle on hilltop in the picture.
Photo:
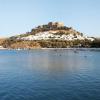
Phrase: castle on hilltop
(56, 24)
(52, 24)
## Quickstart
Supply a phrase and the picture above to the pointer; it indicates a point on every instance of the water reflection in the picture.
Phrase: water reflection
(49, 75)
(55, 61)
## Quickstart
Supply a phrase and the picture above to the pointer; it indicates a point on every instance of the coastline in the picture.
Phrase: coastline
(82, 49)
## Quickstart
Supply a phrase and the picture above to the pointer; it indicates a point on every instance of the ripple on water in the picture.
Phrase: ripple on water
(49, 75)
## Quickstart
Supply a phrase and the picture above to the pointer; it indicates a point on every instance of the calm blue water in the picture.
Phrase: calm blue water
(49, 75)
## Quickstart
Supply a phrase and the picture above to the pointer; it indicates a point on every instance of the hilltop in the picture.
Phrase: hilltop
(51, 35)
(55, 30)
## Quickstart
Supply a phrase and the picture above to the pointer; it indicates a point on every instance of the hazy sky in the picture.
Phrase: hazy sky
(19, 16)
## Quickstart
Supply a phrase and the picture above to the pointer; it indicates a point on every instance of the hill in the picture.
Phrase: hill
(52, 30)
(51, 35)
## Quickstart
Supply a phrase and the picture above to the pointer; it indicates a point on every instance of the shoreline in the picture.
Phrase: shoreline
(52, 49)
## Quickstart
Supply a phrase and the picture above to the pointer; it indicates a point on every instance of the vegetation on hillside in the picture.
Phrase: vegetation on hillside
(15, 43)
(50, 27)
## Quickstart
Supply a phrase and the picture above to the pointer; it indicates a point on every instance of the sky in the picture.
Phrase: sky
(20, 16)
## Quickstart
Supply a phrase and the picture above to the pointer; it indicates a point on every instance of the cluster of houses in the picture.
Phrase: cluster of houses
(50, 35)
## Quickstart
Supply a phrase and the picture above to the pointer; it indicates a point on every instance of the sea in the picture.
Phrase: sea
(50, 74)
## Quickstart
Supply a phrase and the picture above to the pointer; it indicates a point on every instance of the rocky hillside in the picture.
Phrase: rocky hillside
(55, 31)
(51, 35)
(2, 40)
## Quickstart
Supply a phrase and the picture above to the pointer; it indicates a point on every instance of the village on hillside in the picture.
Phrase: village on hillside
(51, 35)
